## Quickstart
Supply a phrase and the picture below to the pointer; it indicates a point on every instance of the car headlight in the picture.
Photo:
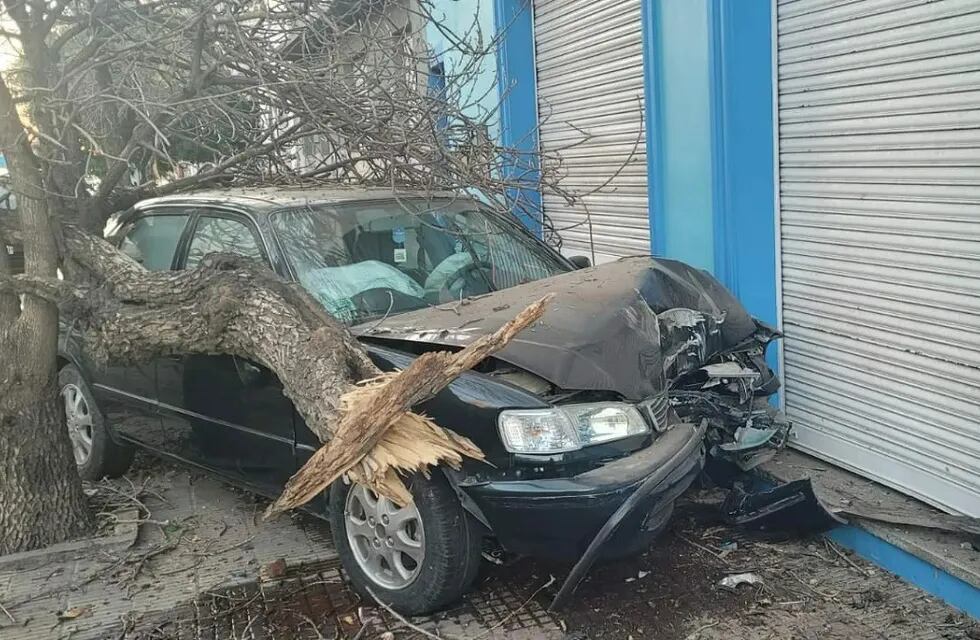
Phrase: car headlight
(568, 427)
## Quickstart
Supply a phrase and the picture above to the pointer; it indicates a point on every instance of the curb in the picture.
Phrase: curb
(862, 538)
(122, 537)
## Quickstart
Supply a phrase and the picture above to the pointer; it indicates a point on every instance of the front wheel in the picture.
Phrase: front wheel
(416, 558)
(97, 456)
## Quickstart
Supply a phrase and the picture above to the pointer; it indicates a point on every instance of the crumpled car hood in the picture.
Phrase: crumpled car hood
(626, 326)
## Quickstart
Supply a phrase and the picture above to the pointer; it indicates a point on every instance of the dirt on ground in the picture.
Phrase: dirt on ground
(202, 538)
(808, 589)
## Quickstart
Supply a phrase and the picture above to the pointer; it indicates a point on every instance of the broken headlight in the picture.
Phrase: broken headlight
(568, 427)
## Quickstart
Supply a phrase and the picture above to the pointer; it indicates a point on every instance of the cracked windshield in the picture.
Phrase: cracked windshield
(378, 259)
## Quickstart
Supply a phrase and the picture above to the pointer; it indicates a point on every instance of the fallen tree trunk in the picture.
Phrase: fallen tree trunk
(233, 305)
(377, 435)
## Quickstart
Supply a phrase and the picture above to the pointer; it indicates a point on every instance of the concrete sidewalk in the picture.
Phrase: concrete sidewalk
(195, 572)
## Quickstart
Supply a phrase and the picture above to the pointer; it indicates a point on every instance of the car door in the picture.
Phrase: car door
(127, 393)
(227, 413)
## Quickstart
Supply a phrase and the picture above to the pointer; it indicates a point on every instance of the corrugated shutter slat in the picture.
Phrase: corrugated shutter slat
(880, 239)
(589, 57)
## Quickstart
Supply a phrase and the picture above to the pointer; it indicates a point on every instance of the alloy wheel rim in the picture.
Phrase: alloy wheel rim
(388, 542)
(78, 417)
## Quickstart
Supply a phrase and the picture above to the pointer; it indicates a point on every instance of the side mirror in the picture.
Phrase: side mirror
(580, 262)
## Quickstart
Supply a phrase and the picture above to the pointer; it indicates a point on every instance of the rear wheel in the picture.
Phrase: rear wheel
(97, 456)
(416, 558)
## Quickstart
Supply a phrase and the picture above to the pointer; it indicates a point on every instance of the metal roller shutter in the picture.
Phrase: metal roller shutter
(879, 162)
(589, 56)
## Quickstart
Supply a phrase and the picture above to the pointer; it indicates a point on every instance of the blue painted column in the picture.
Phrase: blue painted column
(678, 110)
(710, 142)
(743, 196)
(519, 108)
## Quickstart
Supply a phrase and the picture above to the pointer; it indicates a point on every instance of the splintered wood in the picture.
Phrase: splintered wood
(412, 443)
(378, 438)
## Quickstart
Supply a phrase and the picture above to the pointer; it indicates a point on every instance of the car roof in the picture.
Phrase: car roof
(271, 198)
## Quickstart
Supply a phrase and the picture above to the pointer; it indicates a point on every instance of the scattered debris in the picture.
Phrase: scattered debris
(694, 635)
(733, 581)
(273, 570)
(74, 612)
(792, 507)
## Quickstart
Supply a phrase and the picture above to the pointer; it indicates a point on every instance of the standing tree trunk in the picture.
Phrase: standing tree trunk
(34, 449)
(35, 452)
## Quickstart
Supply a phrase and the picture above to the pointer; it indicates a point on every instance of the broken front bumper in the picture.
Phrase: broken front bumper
(561, 517)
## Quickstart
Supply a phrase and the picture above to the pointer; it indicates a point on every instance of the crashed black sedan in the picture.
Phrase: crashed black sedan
(593, 421)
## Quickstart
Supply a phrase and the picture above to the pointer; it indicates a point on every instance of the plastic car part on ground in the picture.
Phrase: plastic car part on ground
(792, 507)
(731, 582)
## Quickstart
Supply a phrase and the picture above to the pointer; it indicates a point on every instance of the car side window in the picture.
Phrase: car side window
(216, 234)
(152, 240)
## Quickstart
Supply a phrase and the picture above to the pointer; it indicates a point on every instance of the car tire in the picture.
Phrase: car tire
(450, 540)
(97, 455)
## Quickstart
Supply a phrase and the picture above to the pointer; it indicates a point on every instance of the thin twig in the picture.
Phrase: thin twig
(401, 618)
(7, 613)
(551, 581)
(702, 548)
(245, 631)
(825, 596)
(312, 624)
(694, 634)
(843, 556)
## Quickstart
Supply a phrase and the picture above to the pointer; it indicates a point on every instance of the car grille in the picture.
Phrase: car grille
(655, 409)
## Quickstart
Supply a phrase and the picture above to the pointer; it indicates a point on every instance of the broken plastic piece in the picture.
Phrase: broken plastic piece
(646, 488)
(789, 507)
(730, 369)
(731, 582)
(749, 438)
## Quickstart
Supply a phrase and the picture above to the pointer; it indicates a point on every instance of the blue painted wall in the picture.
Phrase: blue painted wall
(710, 142)
(519, 107)
(503, 87)
(679, 118)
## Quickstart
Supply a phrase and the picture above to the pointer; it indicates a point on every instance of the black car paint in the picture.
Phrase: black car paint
(522, 499)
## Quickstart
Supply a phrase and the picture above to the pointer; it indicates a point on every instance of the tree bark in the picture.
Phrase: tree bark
(41, 502)
(41, 499)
